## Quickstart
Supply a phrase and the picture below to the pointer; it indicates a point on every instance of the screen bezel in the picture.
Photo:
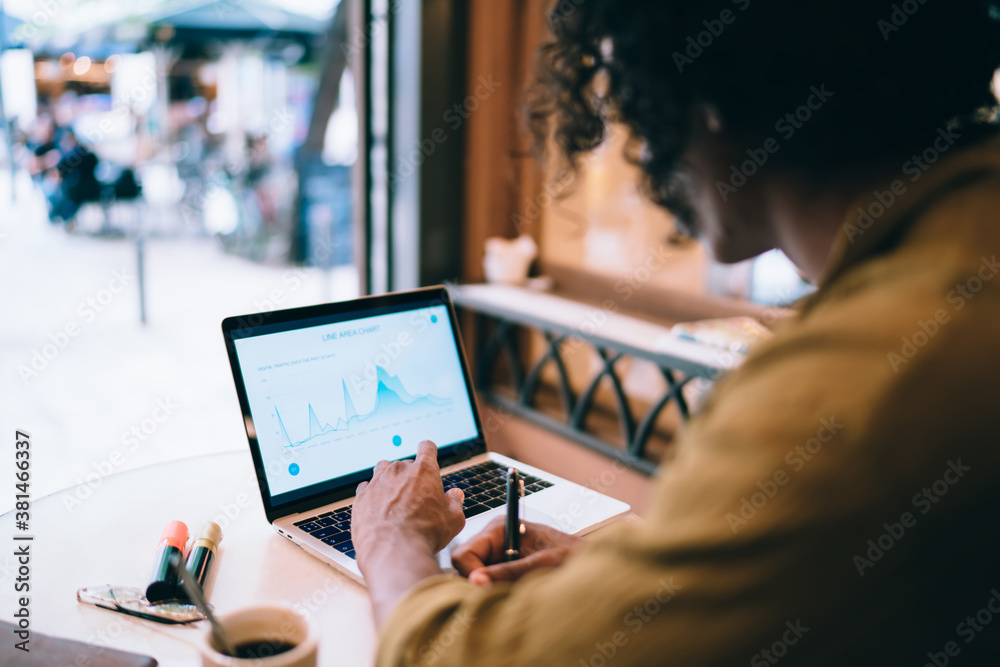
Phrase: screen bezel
(245, 326)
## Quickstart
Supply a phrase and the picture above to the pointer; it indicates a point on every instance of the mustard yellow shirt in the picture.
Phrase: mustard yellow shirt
(836, 501)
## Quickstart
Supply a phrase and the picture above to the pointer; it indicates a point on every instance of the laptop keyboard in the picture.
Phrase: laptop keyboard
(485, 487)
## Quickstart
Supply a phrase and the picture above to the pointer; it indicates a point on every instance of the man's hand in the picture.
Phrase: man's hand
(481, 558)
(406, 498)
(401, 519)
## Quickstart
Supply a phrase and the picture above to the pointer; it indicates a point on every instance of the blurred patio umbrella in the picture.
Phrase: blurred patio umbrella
(8, 24)
(235, 19)
(109, 28)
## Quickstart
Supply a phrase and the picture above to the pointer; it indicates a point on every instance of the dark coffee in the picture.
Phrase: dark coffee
(262, 649)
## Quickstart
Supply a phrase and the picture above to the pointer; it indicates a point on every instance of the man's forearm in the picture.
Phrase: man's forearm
(392, 568)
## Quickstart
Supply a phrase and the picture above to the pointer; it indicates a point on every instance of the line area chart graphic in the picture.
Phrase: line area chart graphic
(393, 403)
(333, 399)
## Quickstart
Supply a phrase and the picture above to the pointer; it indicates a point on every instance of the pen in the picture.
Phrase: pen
(164, 583)
(199, 562)
(515, 488)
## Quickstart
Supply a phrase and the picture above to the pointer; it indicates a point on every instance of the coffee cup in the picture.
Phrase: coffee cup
(263, 636)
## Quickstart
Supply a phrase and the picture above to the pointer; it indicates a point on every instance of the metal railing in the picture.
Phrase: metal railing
(502, 313)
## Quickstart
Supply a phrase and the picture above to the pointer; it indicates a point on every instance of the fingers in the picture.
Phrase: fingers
(361, 487)
(379, 469)
(455, 498)
(486, 547)
(480, 559)
(427, 453)
(515, 569)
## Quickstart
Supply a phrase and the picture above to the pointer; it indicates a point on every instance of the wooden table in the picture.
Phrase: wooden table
(109, 534)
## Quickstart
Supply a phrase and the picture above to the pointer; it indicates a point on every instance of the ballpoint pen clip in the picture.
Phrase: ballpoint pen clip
(520, 505)
(514, 527)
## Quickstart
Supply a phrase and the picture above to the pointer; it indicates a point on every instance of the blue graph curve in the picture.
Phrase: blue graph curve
(391, 400)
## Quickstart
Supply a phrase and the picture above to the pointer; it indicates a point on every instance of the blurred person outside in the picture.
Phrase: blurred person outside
(78, 184)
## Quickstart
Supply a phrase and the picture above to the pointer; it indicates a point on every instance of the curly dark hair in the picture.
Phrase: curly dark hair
(898, 71)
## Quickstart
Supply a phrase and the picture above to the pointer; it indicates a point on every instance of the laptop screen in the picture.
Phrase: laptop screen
(330, 396)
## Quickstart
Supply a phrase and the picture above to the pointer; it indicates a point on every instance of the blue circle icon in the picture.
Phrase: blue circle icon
(294, 469)
(396, 440)
(434, 319)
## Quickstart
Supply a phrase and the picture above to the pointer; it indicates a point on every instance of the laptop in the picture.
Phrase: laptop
(327, 391)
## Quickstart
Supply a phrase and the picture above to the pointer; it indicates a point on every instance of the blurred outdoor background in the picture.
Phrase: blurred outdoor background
(164, 165)
(167, 163)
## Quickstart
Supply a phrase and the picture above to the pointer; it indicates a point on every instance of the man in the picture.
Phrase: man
(834, 502)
